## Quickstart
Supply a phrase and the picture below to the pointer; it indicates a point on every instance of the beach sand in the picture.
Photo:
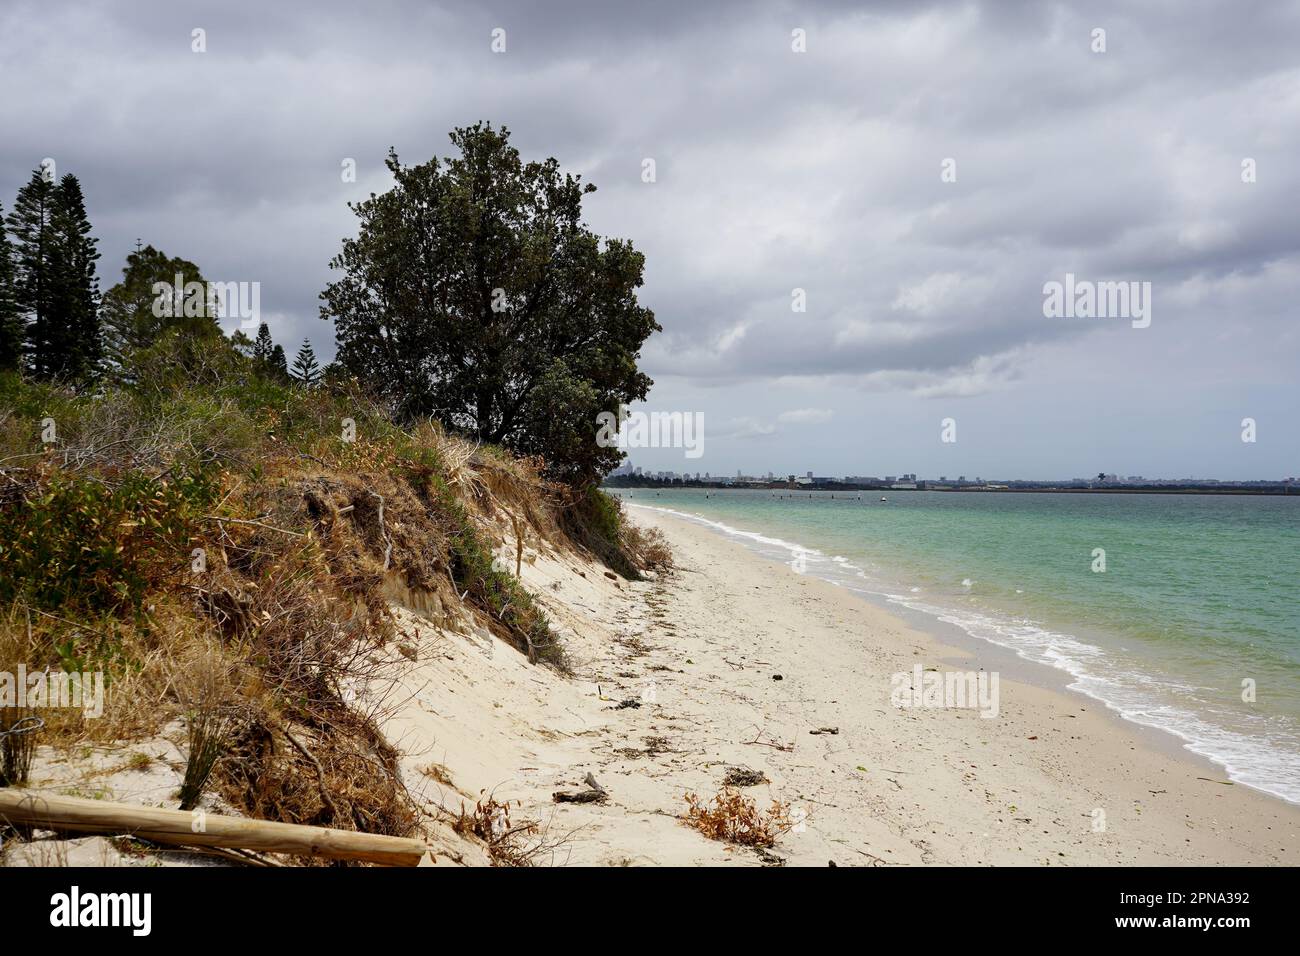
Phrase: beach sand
(734, 660)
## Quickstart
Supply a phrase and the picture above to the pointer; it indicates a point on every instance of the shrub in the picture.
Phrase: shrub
(734, 818)
(594, 521)
(81, 545)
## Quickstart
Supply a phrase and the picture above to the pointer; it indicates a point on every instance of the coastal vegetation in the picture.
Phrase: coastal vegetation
(224, 536)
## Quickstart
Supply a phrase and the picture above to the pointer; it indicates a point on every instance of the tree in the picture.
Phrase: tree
(30, 224)
(305, 369)
(11, 319)
(58, 291)
(268, 357)
(263, 346)
(474, 292)
(75, 339)
(135, 314)
(278, 365)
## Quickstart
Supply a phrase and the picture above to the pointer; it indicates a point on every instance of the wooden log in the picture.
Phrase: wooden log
(180, 827)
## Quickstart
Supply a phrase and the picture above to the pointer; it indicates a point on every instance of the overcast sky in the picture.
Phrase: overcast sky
(775, 170)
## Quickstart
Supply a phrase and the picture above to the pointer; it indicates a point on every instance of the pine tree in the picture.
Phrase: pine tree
(262, 347)
(29, 223)
(58, 292)
(11, 319)
(134, 319)
(305, 369)
(76, 340)
(277, 364)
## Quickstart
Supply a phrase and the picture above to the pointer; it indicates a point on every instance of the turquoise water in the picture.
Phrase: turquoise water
(1199, 594)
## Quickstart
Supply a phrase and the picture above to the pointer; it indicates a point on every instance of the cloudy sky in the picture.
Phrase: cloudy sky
(776, 171)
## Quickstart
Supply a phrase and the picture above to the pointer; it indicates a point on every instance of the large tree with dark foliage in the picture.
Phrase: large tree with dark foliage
(475, 293)
(30, 224)
(138, 311)
(76, 350)
(57, 287)
(11, 320)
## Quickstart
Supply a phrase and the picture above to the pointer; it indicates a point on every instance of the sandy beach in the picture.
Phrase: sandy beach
(734, 661)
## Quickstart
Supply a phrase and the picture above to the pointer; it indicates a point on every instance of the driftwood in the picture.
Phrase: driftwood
(594, 794)
(582, 796)
(182, 828)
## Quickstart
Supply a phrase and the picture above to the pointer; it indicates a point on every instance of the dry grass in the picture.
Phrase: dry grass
(734, 818)
(647, 546)
(509, 843)
(208, 723)
(18, 735)
(272, 647)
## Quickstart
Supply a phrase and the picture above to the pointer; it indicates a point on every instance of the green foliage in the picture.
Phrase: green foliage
(29, 401)
(595, 521)
(137, 311)
(268, 357)
(474, 293)
(76, 545)
(305, 370)
(493, 588)
(209, 734)
(74, 339)
(56, 289)
(277, 365)
(11, 320)
(30, 224)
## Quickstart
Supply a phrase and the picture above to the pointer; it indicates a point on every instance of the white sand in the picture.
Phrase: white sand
(700, 650)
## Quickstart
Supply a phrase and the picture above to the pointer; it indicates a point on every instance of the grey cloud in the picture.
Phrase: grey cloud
(775, 170)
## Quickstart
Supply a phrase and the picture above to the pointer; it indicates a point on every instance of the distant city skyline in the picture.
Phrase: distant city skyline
(630, 467)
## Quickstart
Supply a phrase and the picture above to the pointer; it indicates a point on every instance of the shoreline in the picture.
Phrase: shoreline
(1005, 658)
(728, 662)
(1044, 686)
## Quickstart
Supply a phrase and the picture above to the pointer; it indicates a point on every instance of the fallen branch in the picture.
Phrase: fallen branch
(760, 742)
(178, 828)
